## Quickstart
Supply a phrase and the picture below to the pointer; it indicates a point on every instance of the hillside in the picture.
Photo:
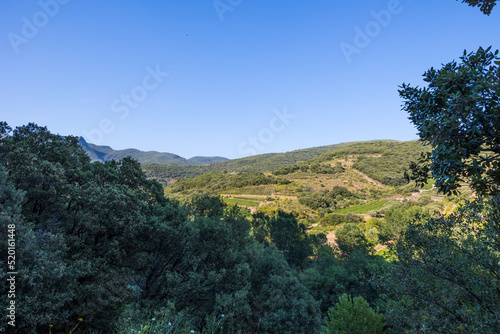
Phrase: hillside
(106, 153)
(257, 163)
(358, 177)
(351, 183)
(368, 170)
(383, 161)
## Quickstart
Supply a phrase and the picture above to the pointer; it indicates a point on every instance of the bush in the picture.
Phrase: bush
(353, 218)
(353, 316)
(372, 222)
(375, 214)
(332, 219)
(350, 238)
(373, 234)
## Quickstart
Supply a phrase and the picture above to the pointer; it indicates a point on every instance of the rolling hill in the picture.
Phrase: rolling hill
(361, 178)
(256, 163)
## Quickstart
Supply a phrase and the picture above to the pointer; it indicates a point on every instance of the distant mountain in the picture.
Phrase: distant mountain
(106, 153)
(205, 160)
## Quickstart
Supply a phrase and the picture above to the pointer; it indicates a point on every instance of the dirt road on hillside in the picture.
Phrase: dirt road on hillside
(369, 179)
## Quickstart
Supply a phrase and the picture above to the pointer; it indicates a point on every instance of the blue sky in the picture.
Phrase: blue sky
(226, 77)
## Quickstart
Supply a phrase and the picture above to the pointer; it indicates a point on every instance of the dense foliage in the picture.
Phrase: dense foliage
(458, 115)
(392, 164)
(106, 153)
(326, 198)
(446, 277)
(165, 173)
(447, 274)
(316, 168)
(215, 182)
(99, 241)
(396, 220)
(360, 148)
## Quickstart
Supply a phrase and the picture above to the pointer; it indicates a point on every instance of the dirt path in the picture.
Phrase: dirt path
(246, 196)
(330, 236)
(285, 196)
(379, 248)
(369, 179)
(414, 196)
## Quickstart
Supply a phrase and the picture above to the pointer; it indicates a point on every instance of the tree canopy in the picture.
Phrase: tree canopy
(458, 115)
(485, 6)
(353, 316)
(446, 279)
(99, 241)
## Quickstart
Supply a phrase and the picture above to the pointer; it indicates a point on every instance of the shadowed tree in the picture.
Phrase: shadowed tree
(289, 236)
(350, 237)
(99, 241)
(447, 277)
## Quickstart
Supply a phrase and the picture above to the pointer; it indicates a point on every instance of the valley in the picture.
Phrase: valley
(361, 179)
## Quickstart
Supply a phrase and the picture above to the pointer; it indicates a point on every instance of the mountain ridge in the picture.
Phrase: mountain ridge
(104, 153)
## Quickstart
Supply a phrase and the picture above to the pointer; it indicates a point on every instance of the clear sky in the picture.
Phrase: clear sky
(227, 77)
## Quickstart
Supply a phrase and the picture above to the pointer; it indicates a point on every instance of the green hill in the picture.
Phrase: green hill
(352, 177)
(384, 161)
(257, 163)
